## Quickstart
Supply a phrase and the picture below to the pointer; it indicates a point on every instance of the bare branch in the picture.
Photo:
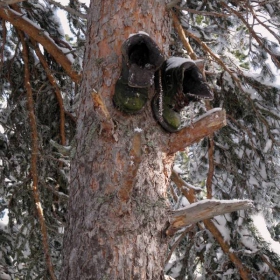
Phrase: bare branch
(204, 126)
(182, 36)
(22, 23)
(34, 156)
(57, 91)
(202, 210)
(9, 2)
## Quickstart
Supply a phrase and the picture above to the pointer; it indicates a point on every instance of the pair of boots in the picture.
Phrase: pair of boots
(178, 81)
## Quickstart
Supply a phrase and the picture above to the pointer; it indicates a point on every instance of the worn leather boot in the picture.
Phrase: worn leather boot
(182, 83)
(141, 57)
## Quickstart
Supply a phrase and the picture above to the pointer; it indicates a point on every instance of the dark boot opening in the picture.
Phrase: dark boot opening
(194, 85)
(139, 54)
(192, 81)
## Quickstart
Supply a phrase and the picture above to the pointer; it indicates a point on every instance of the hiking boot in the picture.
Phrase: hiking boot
(141, 57)
(182, 83)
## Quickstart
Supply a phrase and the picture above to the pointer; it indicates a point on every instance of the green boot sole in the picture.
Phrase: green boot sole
(129, 99)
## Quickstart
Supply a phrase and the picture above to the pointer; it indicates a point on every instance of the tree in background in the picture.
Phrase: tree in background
(118, 208)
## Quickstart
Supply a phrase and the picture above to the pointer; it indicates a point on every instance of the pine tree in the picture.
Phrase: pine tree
(40, 69)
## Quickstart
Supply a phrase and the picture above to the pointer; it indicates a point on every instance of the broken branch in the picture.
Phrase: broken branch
(244, 272)
(207, 124)
(202, 210)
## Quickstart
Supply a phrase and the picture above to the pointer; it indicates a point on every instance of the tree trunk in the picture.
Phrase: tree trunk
(120, 171)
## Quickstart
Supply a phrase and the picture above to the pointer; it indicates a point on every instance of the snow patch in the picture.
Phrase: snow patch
(139, 32)
(208, 113)
(260, 224)
(137, 129)
(177, 169)
(268, 146)
(175, 61)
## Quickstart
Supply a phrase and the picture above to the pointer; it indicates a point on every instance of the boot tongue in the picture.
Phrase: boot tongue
(141, 77)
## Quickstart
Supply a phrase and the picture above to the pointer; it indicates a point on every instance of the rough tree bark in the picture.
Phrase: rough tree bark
(118, 210)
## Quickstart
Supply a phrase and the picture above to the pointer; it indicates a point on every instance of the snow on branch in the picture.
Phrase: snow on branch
(205, 125)
(66, 8)
(203, 210)
(35, 32)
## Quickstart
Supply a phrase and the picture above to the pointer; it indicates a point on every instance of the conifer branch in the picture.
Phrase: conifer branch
(177, 242)
(204, 126)
(185, 42)
(215, 57)
(34, 156)
(4, 38)
(253, 33)
(192, 54)
(56, 90)
(204, 13)
(262, 23)
(211, 168)
(186, 189)
(69, 9)
(243, 271)
(275, 270)
(19, 21)
(204, 209)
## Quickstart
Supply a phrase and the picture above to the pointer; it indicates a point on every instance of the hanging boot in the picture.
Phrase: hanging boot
(141, 57)
(182, 83)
